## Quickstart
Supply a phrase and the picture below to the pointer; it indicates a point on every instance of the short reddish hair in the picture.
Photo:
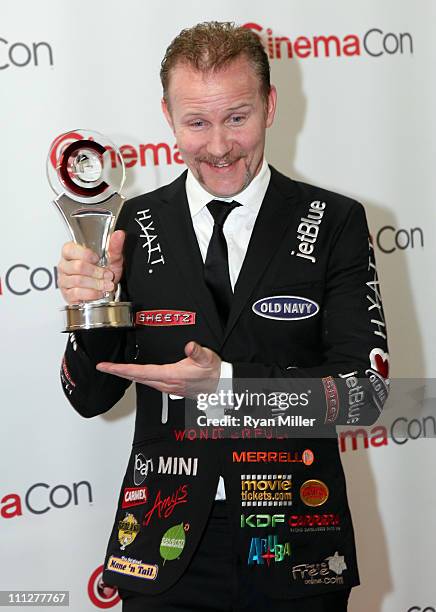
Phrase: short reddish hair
(212, 45)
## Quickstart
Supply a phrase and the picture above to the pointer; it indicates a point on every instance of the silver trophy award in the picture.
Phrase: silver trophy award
(87, 172)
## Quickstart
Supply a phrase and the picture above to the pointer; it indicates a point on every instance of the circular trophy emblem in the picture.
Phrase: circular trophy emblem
(86, 166)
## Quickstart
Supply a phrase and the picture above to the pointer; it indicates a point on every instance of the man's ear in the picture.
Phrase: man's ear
(271, 106)
(167, 113)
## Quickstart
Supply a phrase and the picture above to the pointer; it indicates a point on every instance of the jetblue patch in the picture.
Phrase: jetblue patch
(285, 307)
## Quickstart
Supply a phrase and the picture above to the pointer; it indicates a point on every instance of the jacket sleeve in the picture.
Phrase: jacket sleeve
(89, 391)
(351, 384)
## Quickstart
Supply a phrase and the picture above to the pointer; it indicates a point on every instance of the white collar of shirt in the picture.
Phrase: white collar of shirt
(251, 197)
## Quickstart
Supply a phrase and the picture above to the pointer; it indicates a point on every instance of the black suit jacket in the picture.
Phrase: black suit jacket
(306, 316)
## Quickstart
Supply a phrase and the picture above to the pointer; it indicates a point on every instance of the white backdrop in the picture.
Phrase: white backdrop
(355, 116)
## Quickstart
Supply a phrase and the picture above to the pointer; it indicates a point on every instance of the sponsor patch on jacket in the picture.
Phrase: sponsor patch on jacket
(164, 505)
(314, 493)
(128, 529)
(150, 240)
(173, 542)
(265, 550)
(285, 307)
(307, 457)
(328, 571)
(379, 361)
(266, 489)
(356, 397)
(375, 308)
(164, 317)
(134, 496)
(261, 520)
(66, 380)
(331, 398)
(67, 373)
(380, 387)
(133, 569)
(312, 521)
(308, 229)
(141, 468)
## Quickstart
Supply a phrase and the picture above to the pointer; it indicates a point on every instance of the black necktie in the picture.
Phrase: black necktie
(216, 265)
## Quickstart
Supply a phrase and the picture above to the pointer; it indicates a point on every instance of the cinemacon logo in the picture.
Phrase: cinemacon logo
(102, 595)
(390, 239)
(20, 279)
(375, 42)
(142, 154)
(21, 54)
(42, 497)
(401, 431)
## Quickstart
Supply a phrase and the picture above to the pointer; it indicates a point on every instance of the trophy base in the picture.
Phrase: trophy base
(98, 315)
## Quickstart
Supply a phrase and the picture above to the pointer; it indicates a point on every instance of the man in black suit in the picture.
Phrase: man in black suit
(241, 280)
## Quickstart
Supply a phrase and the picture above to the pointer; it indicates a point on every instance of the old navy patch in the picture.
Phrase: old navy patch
(165, 317)
(285, 307)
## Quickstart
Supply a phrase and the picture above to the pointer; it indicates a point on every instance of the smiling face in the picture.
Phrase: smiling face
(219, 121)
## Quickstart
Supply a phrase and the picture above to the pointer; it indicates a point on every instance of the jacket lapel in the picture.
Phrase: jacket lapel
(269, 229)
(176, 222)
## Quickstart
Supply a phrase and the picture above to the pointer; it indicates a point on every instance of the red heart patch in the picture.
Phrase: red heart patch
(380, 361)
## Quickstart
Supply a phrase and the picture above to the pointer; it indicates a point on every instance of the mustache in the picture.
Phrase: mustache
(215, 161)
